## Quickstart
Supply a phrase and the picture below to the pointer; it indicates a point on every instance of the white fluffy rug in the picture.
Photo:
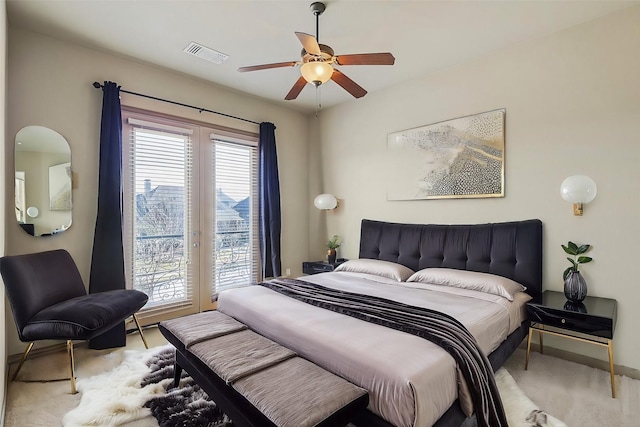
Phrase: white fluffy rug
(521, 411)
(115, 397)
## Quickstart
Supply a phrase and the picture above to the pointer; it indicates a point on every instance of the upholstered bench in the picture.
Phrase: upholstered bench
(256, 381)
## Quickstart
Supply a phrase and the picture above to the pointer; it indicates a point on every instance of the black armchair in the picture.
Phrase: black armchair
(49, 301)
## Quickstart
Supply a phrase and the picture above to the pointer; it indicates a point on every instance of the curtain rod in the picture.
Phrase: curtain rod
(99, 86)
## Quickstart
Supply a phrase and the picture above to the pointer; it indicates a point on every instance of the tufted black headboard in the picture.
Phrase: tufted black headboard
(509, 249)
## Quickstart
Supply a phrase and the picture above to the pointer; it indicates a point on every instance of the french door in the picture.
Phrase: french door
(190, 207)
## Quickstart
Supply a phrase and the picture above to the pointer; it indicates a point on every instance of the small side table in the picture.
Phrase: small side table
(595, 317)
(315, 267)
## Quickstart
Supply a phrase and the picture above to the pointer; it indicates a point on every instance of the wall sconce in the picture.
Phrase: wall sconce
(325, 201)
(578, 189)
(32, 211)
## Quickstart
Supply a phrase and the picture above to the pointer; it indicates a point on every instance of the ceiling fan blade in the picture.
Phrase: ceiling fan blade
(384, 58)
(347, 84)
(310, 43)
(267, 66)
(296, 89)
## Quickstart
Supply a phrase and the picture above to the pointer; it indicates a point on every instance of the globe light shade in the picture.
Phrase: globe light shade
(325, 201)
(316, 72)
(578, 189)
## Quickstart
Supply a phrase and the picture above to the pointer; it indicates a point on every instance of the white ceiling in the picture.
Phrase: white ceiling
(424, 36)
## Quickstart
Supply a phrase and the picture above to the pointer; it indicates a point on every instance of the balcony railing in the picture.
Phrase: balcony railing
(160, 264)
(160, 268)
(232, 263)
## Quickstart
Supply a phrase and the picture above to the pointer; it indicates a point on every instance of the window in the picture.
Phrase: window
(236, 227)
(190, 211)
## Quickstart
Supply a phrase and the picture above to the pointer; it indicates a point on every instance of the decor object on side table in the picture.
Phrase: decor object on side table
(333, 244)
(575, 287)
(578, 189)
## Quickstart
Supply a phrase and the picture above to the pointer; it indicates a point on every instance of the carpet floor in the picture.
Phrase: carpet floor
(574, 393)
(45, 404)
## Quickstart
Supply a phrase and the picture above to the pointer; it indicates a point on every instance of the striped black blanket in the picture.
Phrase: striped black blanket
(437, 327)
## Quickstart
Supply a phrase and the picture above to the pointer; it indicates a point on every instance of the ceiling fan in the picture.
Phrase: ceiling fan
(318, 59)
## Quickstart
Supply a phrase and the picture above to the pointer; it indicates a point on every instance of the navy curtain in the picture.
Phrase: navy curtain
(269, 202)
(107, 260)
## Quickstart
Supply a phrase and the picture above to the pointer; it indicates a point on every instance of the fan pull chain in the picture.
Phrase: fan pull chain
(318, 100)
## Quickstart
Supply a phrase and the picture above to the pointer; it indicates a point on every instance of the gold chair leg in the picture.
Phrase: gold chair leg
(526, 363)
(135, 318)
(24, 357)
(71, 366)
(611, 371)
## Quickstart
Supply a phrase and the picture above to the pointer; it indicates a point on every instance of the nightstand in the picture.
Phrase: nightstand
(595, 317)
(315, 267)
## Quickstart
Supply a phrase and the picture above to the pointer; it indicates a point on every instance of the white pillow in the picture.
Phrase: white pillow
(378, 267)
(483, 282)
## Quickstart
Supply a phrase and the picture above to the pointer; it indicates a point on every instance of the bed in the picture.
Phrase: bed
(411, 381)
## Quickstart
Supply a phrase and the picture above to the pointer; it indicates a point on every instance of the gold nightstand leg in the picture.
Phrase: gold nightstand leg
(541, 342)
(611, 372)
(526, 363)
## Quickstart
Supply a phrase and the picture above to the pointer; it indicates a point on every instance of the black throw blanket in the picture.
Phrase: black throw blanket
(439, 328)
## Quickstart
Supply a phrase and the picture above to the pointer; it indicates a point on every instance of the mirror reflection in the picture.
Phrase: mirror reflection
(42, 181)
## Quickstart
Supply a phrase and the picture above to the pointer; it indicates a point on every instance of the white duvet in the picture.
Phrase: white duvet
(411, 382)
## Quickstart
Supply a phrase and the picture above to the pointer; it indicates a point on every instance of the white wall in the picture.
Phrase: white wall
(50, 85)
(572, 104)
(3, 194)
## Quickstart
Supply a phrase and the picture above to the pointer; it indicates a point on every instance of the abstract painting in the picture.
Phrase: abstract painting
(458, 158)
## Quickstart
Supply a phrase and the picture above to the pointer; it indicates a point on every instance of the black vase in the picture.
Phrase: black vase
(331, 256)
(575, 288)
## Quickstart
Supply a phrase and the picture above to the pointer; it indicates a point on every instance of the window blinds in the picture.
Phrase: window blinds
(160, 172)
(236, 256)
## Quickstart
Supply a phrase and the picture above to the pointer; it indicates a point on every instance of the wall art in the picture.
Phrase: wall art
(457, 158)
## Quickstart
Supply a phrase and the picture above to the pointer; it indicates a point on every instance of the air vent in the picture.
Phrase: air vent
(206, 53)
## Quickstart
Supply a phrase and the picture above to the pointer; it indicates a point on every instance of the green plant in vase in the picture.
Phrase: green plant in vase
(333, 244)
(575, 287)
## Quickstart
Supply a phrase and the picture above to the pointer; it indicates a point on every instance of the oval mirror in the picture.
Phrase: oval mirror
(42, 181)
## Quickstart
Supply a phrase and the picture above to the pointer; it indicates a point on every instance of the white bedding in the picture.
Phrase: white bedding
(411, 382)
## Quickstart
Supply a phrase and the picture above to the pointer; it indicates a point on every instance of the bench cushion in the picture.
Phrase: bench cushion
(195, 328)
(239, 354)
(298, 393)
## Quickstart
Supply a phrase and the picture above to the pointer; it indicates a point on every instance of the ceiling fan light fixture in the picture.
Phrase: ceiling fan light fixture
(316, 72)
(317, 63)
